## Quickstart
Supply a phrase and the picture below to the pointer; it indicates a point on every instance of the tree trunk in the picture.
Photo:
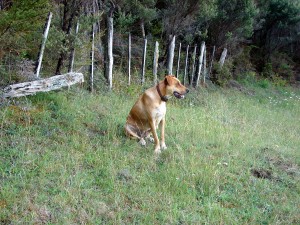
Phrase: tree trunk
(211, 61)
(99, 44)
(143, 29)
(68, 17)
(43, 85)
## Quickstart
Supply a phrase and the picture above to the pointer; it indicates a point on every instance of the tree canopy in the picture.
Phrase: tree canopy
(269, 28)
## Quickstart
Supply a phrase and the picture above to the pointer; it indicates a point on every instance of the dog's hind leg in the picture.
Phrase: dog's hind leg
(130, 131)
(148, 136)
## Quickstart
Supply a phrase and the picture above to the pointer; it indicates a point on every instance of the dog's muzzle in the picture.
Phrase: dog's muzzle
(178, 95)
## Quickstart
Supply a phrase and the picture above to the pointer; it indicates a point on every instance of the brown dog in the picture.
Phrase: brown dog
(150, 109)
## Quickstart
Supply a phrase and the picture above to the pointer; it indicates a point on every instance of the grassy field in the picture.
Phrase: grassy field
(232, 158)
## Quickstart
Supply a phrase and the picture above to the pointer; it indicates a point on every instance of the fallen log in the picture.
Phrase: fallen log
(42, 85)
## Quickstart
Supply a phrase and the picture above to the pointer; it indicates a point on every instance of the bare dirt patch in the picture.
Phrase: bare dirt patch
(262, 173)
(284, 165)
(275, 166)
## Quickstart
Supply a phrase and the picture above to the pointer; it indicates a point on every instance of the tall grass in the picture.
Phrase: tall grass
(65, 160)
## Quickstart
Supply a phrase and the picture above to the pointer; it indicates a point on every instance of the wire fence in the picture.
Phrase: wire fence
(185, 65)
(185, 62)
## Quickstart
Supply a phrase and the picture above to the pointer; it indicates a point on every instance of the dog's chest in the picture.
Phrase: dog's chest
(159, 112)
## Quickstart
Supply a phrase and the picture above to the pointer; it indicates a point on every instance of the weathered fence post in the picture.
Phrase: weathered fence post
(186, 64)
(110, 30)
(204, 66)
(41, 53)
(72, 54)
(144, 61)
(211, 61)
(193, 65)
(155, 62)
(171, 55)
(200, 63)
(178, 60)
(129, 58)
(91, 68)
(223, 56)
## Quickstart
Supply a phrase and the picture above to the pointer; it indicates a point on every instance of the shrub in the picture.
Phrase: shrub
(222, 75)
(278, 81)
(279, 65)
(268, 70)
(264, 83)
(242, 62)
(248, 77)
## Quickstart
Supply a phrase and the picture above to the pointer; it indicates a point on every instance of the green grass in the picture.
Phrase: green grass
(65, 160)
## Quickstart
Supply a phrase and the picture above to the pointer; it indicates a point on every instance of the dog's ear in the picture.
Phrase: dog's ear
(168, 79)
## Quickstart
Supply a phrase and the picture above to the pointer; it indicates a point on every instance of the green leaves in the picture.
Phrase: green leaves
(24, 15)
(19, 23)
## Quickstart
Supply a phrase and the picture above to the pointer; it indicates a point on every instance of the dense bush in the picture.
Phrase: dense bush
(261, 36)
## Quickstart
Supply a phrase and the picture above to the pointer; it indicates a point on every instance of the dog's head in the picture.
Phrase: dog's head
(174, 87)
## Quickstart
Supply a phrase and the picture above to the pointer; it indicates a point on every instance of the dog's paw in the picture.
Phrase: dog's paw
(142, 142)
(151, 139)
(163, 146)
(157, 151)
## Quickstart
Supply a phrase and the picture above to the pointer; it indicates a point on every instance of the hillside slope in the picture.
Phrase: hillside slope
(232, 158)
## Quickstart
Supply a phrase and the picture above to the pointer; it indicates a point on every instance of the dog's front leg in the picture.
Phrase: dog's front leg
(156, 140)
(162, 129)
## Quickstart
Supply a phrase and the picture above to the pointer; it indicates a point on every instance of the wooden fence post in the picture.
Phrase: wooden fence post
(144, 62)
(110, 22)
(171, 55)
(91, 69)
(211, 61)
(186, 64)
(200, 63)
(193, 65)
(72, 54)
(41, 53)
(204, 66)
(129, 58)
(223, 56)
(178, 60)
(155, 62)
